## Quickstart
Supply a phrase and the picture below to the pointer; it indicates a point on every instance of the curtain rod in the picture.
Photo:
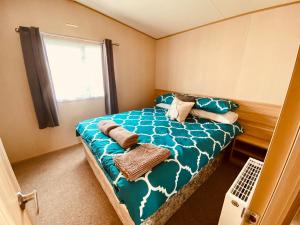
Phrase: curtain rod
(71, 37)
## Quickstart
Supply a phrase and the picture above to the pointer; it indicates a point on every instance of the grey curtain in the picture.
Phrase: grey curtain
(39, 77)
(111, 100)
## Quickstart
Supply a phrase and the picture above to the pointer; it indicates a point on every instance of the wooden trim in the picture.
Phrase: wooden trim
(229, 18)
(294, 209)
(253, 141)
(279, 182)
(284, 201)
(120, 209)
(258, 119)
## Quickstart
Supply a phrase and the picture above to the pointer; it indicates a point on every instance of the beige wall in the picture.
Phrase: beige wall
(134, 72)
(248, 58)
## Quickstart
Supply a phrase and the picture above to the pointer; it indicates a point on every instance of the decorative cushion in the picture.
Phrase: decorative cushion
(179, 110)
(227, 118)
(215, 105)
(166, 98)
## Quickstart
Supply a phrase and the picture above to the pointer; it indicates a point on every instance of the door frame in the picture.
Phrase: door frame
(285, 200)
(275, 198)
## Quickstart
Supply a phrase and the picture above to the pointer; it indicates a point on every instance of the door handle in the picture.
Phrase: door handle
(24, 198)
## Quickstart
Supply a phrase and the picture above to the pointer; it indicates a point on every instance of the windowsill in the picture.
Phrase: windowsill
(79, 100)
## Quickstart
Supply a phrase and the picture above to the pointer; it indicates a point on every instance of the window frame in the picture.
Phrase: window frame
(74, 39)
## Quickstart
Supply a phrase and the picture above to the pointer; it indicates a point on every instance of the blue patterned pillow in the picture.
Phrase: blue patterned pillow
(166, 98)
(215, 105)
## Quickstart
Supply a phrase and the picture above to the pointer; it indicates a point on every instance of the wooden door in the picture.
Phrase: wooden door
(279, 183)
(10, 211)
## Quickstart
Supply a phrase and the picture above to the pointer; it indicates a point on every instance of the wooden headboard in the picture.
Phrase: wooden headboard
(257, 119)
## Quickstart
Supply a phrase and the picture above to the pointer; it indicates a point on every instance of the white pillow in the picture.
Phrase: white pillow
(179, 110)
(228, 118)
(163, 105)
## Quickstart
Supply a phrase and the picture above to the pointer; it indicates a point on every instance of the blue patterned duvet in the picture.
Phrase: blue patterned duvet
(191, 144)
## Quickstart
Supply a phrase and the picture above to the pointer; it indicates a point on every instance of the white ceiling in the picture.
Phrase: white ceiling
(159, 18)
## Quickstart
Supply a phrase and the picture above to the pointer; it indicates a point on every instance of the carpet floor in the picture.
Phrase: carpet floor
(69, 193)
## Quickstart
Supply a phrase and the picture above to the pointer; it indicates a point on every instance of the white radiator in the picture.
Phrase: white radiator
(239, 195)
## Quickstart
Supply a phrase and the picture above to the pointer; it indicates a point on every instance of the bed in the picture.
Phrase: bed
(196, 149)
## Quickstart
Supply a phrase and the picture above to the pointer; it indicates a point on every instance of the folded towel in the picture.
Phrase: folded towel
(106, 125)
(124, 138)
(140, 160)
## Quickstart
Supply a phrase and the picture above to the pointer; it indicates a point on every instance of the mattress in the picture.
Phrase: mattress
(192, 145)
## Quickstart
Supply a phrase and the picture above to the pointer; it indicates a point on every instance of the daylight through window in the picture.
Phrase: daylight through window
(76, 68)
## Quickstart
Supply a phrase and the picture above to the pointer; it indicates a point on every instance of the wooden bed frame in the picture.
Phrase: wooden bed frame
(120, 209)
(259, 121)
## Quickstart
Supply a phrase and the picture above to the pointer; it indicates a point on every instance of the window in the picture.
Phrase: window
(76, 68)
